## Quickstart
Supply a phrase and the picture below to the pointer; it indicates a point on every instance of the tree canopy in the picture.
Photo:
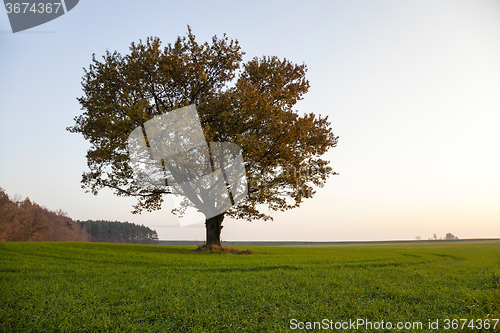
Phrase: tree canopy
(249, 104)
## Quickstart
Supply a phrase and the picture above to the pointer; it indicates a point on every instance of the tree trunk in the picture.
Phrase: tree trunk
(214, 227)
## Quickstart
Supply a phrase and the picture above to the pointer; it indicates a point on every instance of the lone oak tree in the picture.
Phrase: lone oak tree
(248, 104)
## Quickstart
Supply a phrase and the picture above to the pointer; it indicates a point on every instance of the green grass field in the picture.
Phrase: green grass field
(100, 287)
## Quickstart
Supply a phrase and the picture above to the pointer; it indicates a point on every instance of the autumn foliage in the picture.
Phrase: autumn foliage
(27, 221)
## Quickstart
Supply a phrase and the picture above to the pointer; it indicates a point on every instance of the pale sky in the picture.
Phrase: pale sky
(411, 87)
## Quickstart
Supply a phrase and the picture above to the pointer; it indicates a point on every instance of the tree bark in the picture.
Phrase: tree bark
(214, 227)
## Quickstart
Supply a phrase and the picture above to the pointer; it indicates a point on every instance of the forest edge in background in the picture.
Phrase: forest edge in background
(119, 232)
(26, 221)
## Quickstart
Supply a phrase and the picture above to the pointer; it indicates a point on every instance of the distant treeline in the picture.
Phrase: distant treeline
(23, 220)
(119, 232)
(26, 221)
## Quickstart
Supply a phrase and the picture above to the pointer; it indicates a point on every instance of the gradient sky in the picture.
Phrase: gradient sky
(411, 87)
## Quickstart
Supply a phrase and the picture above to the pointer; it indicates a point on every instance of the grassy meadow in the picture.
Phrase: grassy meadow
(102, 287)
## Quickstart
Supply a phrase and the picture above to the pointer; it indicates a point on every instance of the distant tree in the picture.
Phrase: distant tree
(450, 236)
(418, 238)
(252, 108)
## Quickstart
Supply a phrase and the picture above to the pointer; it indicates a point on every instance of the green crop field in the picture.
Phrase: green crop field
(101, 287)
